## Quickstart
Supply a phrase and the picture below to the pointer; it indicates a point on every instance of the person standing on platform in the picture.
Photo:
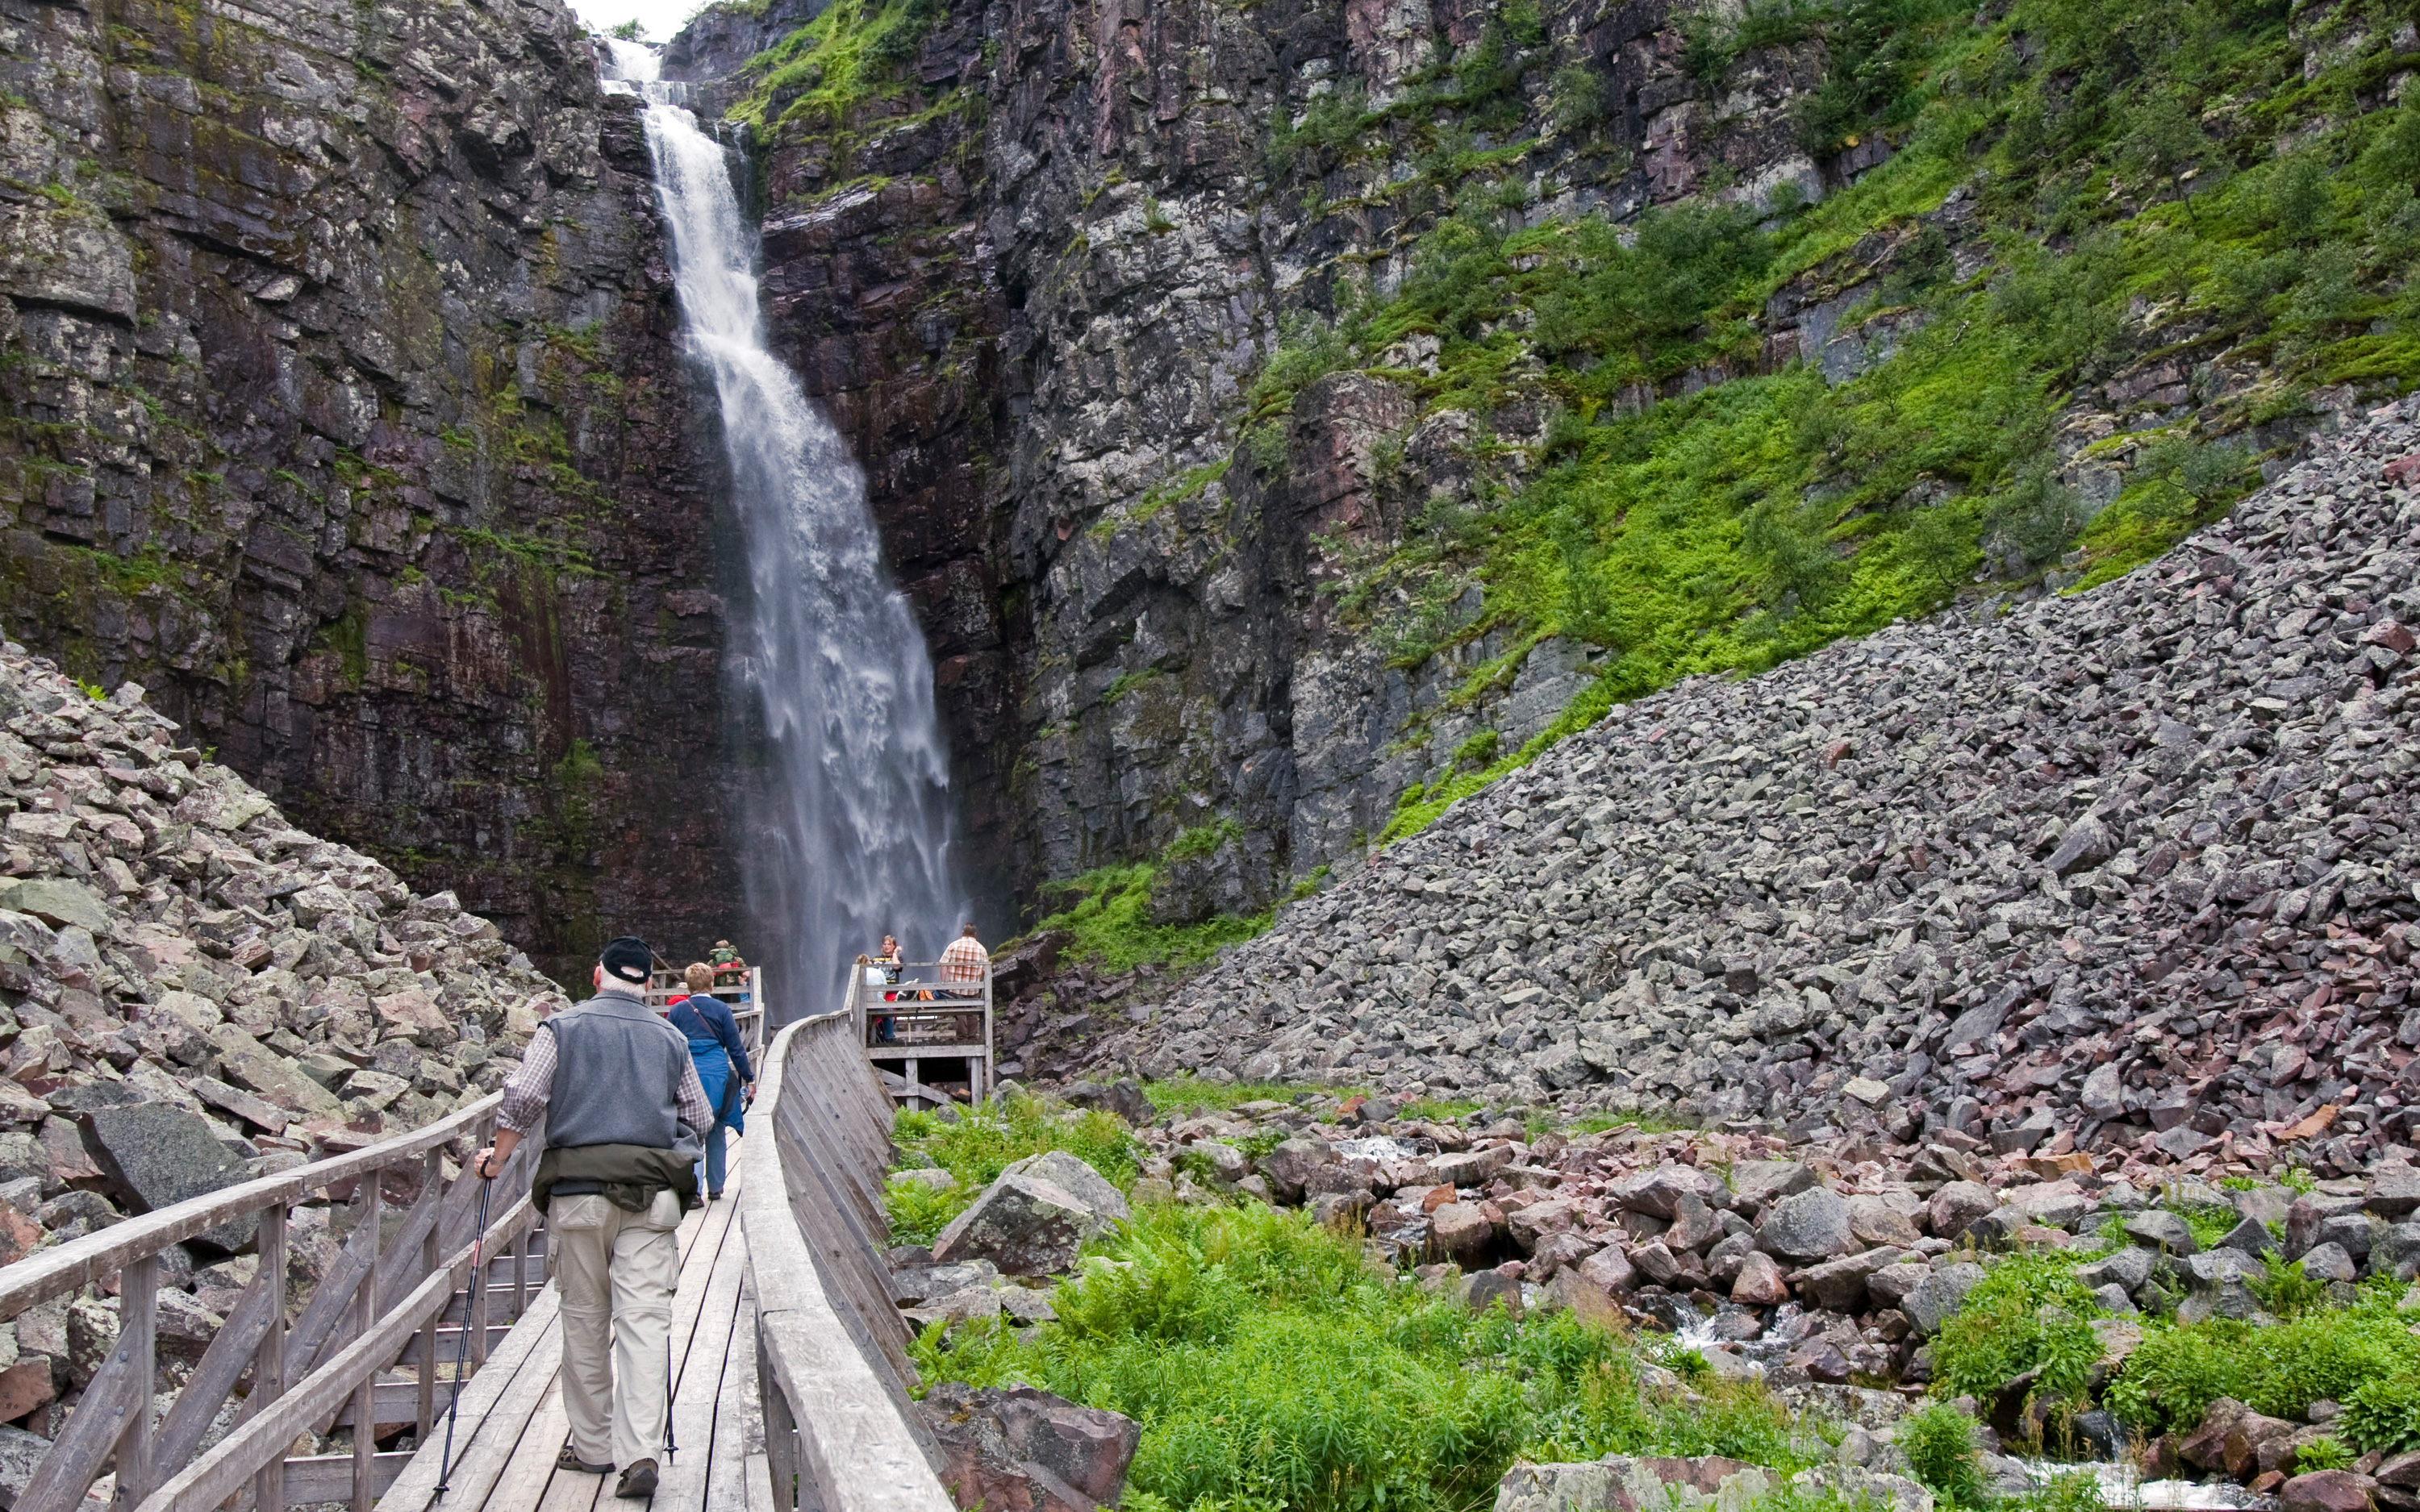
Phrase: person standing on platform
(966, 966)
(624, 1110)
(721, 1058)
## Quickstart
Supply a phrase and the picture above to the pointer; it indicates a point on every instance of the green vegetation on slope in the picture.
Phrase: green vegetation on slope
(820, 76)
(2030, 1320)
(2125, 162)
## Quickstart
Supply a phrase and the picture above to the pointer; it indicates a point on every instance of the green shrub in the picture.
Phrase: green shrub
(2383, 1412)
(2364, 1356)
(2027, 1313)
(2284, 1290)
(1940, 1443)
(2326, 1452)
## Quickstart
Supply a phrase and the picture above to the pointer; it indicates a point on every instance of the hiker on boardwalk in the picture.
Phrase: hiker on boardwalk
(966, 966)
(623, 1109)
(721, 1058)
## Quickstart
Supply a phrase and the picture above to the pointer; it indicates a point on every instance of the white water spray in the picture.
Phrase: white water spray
(851, 837)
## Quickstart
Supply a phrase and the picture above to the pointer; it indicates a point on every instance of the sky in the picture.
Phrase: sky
(661, 18)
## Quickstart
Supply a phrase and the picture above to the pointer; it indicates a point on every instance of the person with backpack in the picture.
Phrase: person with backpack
(624, 1110)
(721, 1059)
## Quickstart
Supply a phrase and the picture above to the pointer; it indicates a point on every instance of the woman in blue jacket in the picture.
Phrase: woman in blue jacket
(721, 1059)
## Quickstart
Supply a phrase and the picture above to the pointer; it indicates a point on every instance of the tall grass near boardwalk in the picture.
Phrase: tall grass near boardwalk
(1272, 1366)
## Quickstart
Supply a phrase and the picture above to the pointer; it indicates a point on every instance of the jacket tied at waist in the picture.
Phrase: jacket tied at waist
(627, 1176)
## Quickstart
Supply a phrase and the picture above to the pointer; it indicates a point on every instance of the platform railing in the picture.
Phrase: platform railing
(297, 1370)
(841, 1434)
(912, 1012)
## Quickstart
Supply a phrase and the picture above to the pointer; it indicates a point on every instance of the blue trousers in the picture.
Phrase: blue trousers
(712, 1163)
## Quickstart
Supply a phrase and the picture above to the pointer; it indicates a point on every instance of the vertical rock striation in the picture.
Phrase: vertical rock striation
(338, 404)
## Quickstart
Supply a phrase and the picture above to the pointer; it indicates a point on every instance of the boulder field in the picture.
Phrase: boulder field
(2129, 871)
(193, 993)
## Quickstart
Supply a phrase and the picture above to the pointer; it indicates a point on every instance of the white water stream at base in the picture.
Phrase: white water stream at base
(851, 838)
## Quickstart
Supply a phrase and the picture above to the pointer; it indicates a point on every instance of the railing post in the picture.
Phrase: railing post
(268, 1362)
(138, 1320)
(365, 1319)
(433, 1180)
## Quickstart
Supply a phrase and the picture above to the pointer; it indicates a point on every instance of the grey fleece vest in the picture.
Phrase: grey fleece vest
(617, 1076)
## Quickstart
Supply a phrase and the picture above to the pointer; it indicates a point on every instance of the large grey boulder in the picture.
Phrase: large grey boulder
(2158, 1228)
(1937, 1297)
(58, 903)
(1760, 1183)
(1069, 1172)
(155, 1156)
(1022, 1224)
(1287, 1168)
(1812, 1226)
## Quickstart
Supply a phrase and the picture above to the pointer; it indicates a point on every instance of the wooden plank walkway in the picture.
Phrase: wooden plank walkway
(512, 1422)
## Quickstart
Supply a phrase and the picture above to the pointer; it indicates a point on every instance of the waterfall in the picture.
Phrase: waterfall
(849, 837)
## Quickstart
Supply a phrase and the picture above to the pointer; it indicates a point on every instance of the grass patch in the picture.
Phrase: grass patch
(1271, 1365)
(984, 1141)
(1191, 1094)
(1109, 915)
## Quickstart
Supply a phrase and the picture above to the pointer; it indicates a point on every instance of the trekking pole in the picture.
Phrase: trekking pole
(462, 1344)
(672, 1444)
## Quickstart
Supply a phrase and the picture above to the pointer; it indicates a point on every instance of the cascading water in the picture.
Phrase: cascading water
(851, 841)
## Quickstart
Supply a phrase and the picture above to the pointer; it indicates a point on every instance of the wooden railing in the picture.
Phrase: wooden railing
(831, 1350)
(297, 1371)
(909, 1011)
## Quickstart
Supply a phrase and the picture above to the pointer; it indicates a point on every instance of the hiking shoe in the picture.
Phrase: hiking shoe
(569, 1460)
(639, 1480)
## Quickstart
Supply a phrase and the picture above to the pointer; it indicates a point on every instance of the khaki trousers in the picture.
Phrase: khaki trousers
(615, 1272)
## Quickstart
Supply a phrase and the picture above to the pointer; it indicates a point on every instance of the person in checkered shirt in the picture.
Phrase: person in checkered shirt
(965, 964)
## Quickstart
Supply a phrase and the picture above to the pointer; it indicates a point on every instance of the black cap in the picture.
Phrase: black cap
(627, 958)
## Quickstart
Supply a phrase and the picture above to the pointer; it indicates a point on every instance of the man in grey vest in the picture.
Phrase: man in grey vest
(625, 1114)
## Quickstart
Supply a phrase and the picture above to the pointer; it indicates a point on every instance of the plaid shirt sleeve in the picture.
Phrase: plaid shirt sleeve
(526, 1088)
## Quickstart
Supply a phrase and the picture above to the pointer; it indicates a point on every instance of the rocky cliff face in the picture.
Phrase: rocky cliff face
(338, 404)
(1112, 298)
(1034, 283)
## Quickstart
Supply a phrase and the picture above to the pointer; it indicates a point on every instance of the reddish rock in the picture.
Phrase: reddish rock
(1024, 1450)
(1535, 1221)
(1759, 1283)
(1461, 1231)
(1557, 1251)
(2328, 1491)
(1609, 1269)
(19, 1234)
(25, 1386)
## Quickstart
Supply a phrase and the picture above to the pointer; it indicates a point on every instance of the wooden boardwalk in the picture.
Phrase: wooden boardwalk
(512, 1422)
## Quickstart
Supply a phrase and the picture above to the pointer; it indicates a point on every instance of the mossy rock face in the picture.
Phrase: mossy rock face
(338, 407)
(1696, 342)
